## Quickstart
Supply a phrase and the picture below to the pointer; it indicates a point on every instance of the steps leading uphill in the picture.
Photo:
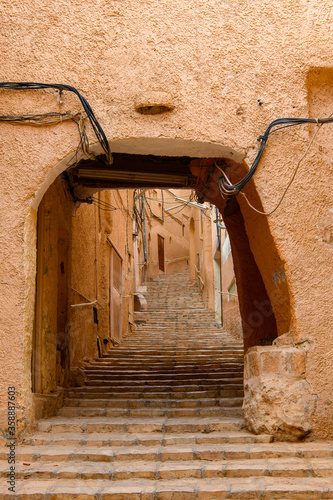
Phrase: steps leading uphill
(160, 417)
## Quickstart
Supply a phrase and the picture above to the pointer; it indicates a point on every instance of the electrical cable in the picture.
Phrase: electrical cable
(41, 119)
(289, 183)
(99, 132)
(107, 207)
(229, 190)
(151, 212)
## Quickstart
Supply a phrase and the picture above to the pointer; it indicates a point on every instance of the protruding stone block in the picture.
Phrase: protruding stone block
(278, 399)
(253, 364)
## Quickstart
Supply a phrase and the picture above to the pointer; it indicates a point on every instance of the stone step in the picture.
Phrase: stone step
(123, 470)
(201, 381)
(159, 417)
(127, 365)
(154, 403)
(177, 327)
(143, 439)
(137, 425)
(180, 306)
(107, 375)
(137, 386)
(169, 360)
(171, 351)
(170, 357)
(216, 411)
(96, 393)
(189, 351)
(166, 343)
(173, 355)
(187, 359)
(131, 365)
(232, 488)
(198, 452)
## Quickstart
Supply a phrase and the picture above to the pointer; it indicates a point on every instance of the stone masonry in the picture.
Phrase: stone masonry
(278, 399)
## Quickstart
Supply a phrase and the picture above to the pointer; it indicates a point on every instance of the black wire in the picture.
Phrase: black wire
(45, 118)
(151, 212)
(231, 190)
(104, 205)
(61, 87)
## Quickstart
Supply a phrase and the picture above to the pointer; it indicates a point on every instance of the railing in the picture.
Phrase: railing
(231, 295)
(201, 283)
(88, 303)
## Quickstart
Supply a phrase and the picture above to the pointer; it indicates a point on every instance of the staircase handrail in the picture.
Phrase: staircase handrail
(200, 279)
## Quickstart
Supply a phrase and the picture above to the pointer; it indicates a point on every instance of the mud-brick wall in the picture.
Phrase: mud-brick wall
(50, 360)
(94, 230)
(173, 226)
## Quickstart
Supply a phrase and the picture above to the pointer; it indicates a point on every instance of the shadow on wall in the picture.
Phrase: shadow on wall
(261, 283)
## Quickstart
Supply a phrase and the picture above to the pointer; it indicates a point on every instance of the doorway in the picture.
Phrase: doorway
(116, 294)
(161, 258)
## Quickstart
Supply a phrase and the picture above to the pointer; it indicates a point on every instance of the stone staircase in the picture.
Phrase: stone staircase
(160, 417)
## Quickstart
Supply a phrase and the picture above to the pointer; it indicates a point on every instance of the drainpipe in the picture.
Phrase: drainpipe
(162, 205)
(218, 229)
(144, 229)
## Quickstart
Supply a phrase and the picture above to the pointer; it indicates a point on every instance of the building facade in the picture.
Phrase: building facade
(200, 81)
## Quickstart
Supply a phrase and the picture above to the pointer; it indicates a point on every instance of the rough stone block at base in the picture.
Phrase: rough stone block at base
(278, 400)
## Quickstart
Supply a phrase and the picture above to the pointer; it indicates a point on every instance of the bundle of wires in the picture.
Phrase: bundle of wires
(99, 132)
(42, 119)
(229, 190)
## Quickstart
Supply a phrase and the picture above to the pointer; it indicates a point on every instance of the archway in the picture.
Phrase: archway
(262, 287)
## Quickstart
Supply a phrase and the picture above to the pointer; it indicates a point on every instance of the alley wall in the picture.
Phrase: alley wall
(229, 69)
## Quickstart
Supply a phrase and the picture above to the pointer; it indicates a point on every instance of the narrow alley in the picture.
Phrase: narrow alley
(166, 250)
(160, 417)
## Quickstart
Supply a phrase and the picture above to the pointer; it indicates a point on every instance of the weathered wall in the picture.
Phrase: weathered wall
(182, 251)
(206, 259)
(173, 226)
(231, 315)
(93, 228)
(73, 269)
(53, 281)
(229, 68)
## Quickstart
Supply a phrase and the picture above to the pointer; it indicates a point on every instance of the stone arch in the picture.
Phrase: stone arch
(260, 272)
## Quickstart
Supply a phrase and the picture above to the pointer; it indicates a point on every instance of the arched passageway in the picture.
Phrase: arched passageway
(261, 283)
(70, 251)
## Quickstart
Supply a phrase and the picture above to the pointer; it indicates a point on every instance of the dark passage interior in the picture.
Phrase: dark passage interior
(264, 302)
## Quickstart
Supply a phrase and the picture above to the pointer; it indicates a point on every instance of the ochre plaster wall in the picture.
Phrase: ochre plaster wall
(230, 68)
(54, 260)
(93, 231)
(175, 229)
(231, 315)
(170, 227)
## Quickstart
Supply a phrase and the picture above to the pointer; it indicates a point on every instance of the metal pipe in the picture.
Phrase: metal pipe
(144, 228)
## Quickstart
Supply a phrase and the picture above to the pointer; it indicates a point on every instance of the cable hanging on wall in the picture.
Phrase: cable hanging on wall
(229, 190)
(99, 132)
